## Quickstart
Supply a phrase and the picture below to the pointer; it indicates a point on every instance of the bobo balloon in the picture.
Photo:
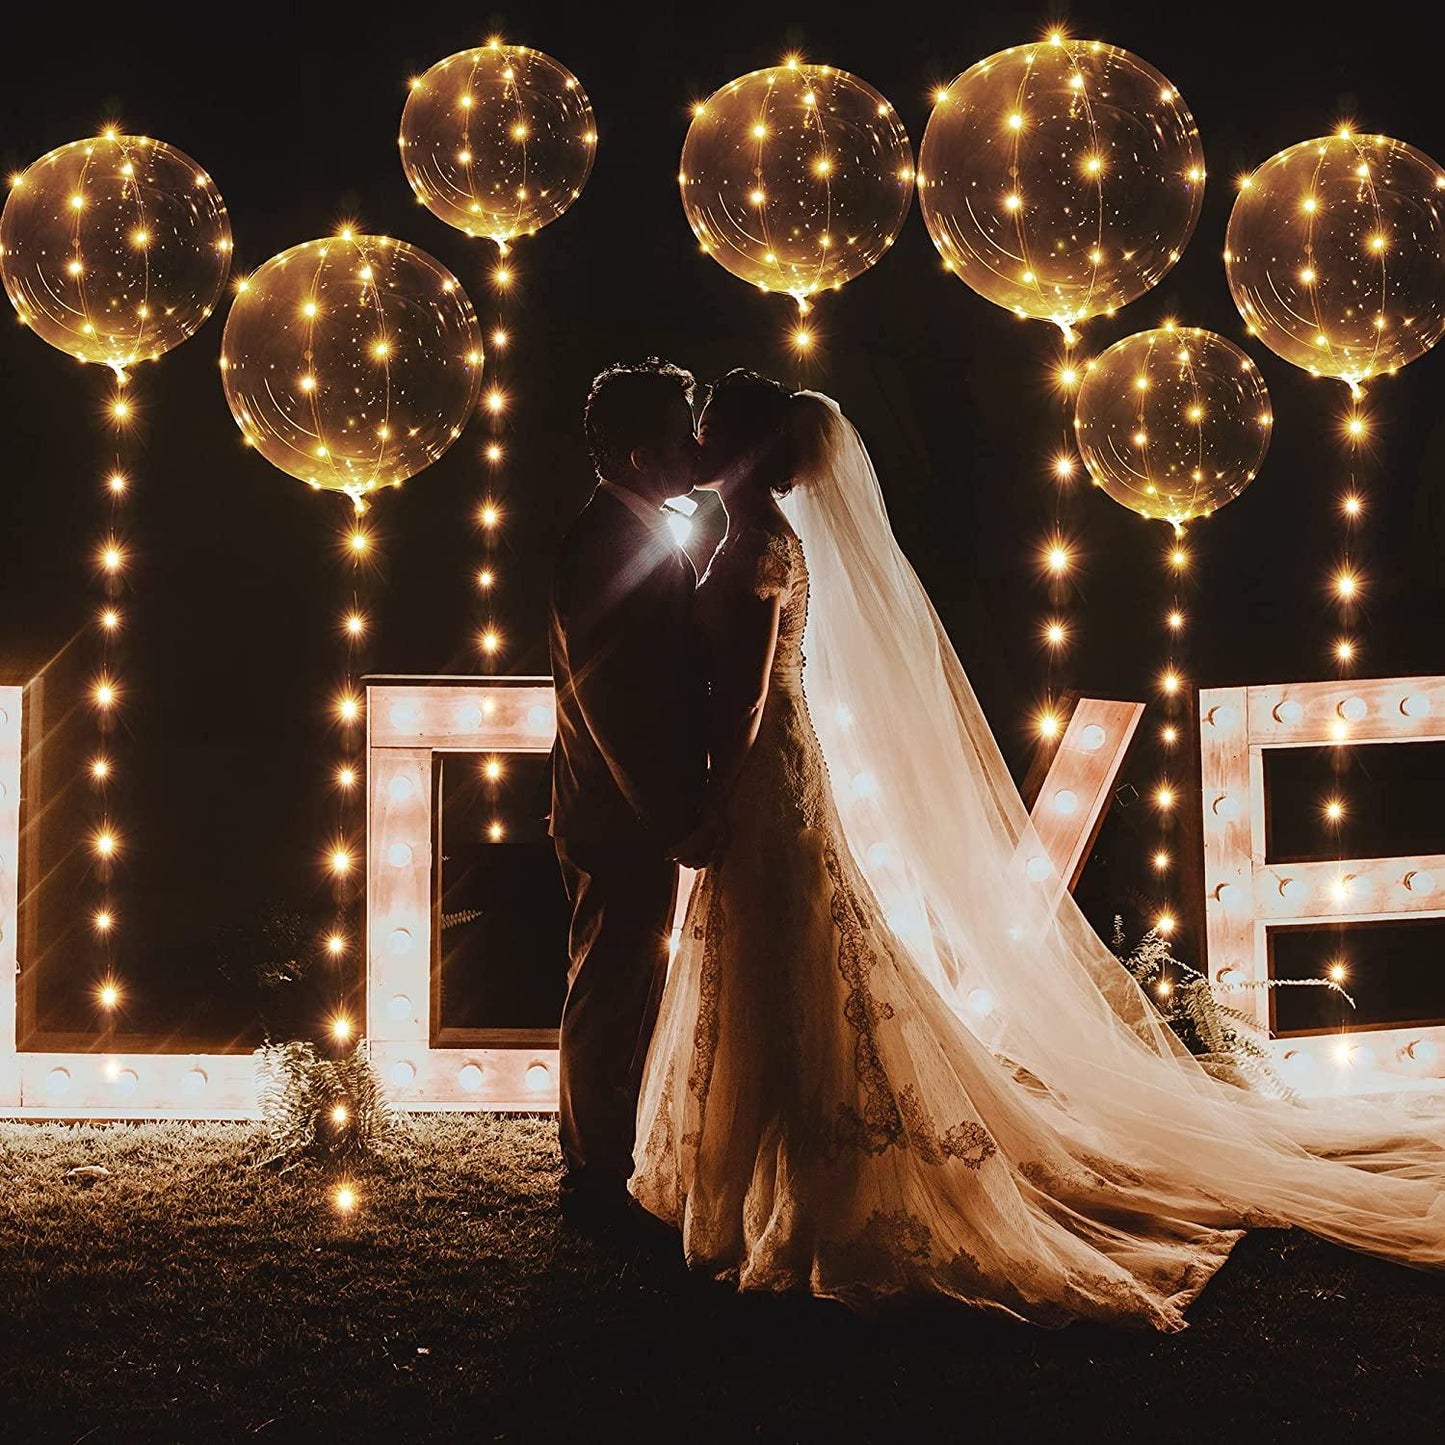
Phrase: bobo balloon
(1336, 255)
(114, 249)
(1060, 180)
(1172, 423)
(497, 141)
(796, 178)
(351, 362)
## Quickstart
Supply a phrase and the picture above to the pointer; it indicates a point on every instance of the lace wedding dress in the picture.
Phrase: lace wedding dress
(827, 1107)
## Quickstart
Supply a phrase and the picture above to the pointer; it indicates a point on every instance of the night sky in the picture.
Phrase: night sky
(231, 652)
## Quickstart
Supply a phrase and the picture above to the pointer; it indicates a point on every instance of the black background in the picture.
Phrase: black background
(231, 650)
(504, 913)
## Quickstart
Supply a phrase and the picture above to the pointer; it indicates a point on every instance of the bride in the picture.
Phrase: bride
(891, 1059)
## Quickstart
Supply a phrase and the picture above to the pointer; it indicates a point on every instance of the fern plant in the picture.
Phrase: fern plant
(1227, 1041)
(316, 1108)
(467, 915)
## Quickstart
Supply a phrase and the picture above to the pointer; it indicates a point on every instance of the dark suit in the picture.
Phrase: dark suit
(627, 779)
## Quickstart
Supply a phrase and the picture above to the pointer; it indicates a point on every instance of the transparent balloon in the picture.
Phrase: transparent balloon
(497, 141)
(1060, 180)
(1335, 254)
(351, 362)
(114, 249)
(796, 178)
(1173, 423)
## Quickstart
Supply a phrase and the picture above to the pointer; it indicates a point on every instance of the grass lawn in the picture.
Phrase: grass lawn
(188, 1295)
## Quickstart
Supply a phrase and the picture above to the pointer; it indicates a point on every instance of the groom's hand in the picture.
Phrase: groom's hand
(701, 846)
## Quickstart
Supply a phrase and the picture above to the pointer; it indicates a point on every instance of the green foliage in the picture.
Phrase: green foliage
(272, 949)
(467, 915)
(1227, 1041)
(330, 1111)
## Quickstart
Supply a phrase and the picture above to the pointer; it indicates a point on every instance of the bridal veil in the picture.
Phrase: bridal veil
(934, 821)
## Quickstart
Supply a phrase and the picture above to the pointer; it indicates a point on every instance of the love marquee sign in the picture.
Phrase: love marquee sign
(412, 722)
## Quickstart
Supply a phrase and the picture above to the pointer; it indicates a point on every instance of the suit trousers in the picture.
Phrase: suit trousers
(623, 897)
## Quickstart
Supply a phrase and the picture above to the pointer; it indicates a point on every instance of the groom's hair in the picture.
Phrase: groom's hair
(626, 409)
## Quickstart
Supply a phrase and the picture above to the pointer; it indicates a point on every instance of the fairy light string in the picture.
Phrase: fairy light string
(358, 563)
(1173, 736)
(112, 563)
(1345, 589)
(497, 405)
(1059, 559)
(1347, 582)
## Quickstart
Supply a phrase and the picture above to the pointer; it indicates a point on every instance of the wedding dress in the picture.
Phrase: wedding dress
(893, 1059)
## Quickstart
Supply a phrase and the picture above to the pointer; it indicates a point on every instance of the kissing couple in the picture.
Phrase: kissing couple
(888, 1058)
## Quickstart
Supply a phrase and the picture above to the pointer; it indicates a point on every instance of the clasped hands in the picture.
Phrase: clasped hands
(706, 840)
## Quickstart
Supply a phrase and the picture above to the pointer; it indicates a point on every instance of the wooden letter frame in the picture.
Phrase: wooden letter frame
(1246, 897)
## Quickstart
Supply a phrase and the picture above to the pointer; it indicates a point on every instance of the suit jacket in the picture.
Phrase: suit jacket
(631, 755)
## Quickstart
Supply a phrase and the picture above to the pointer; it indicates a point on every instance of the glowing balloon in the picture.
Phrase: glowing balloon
(497, 141)
(1060, 180)
(114, 249)
(351, 362)
(1336, 255)
(1173, 423)
(796, 178)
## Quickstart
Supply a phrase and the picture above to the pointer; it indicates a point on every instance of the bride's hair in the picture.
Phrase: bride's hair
(808, 424)
(785, 429)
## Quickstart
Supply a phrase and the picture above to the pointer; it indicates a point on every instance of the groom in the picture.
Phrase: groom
(629, 769)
